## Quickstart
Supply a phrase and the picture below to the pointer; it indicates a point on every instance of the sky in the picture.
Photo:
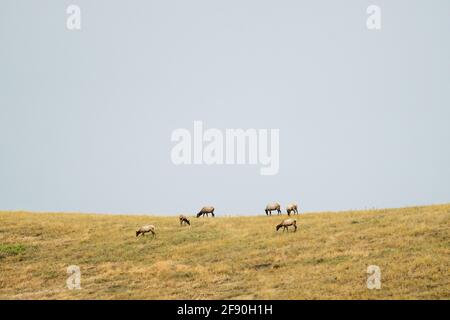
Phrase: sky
(86, 116)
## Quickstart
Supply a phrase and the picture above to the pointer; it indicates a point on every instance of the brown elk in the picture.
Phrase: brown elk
(272, 207)
(292, 207)
(206, 211)
(184, 220)
(286, 224)
(144, 229)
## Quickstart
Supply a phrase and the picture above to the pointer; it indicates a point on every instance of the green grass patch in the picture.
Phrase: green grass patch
(11, 250)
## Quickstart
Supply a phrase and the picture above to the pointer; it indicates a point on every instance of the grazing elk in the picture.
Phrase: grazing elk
(184, 219)
(286, 224)
(206, 210)
(292, 207)
(272, 207)
(144, 229)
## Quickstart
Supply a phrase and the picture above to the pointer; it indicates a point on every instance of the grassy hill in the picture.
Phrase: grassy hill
(227, 257)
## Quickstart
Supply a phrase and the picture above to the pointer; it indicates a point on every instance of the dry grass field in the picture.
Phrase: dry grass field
(227, 257)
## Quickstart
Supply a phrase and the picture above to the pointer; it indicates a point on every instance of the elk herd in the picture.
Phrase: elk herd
(275, 206)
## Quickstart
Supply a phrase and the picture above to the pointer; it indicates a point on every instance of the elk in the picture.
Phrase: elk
(292, 207)
(184, 220)
(272, 207)
(206, 210)
(286, 224)
(144, 229)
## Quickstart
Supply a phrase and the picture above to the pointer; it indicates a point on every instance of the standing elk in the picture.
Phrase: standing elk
(292, 207)
(206, 210)
(272, 207)
(184, 219)
(286, 224)
(144, 229)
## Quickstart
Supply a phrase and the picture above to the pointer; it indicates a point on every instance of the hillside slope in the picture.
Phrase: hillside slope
(227, 257)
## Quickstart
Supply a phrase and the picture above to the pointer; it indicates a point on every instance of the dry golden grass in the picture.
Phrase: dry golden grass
(228, 257)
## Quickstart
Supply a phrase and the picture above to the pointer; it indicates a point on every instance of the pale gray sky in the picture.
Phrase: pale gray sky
(86, 116)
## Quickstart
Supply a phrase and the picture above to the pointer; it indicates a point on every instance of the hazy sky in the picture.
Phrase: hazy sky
(86, 116)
